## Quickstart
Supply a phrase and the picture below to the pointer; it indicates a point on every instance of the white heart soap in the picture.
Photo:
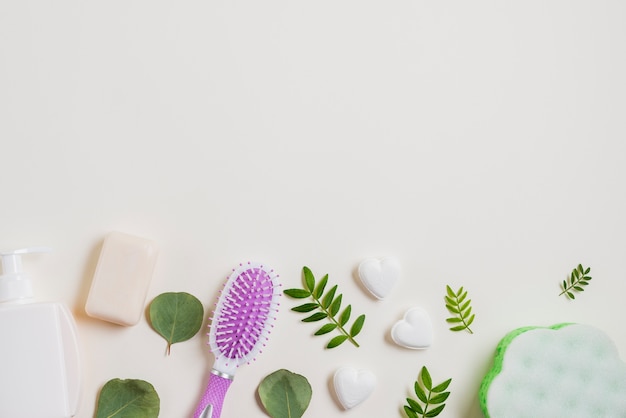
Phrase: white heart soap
(379, 275)
(415, 330)
(353, 386)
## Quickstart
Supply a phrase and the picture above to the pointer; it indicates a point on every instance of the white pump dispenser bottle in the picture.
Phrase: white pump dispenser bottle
(39, 363)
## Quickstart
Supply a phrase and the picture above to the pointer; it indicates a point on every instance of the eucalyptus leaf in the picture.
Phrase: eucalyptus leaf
(176, 316)
(285, 394)
(130, 398)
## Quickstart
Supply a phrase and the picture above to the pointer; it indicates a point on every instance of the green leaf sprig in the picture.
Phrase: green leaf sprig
(458, 305)
(579, 278)
(328, 305)
(428, 395)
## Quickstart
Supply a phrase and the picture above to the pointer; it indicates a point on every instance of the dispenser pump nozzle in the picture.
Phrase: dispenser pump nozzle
(14, 284)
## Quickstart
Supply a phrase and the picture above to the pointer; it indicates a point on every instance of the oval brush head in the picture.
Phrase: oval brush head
(243, 317)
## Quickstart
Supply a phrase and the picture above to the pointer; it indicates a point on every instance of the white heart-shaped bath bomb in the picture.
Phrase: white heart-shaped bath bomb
(379, 275)
(415, 330)
(353, 386)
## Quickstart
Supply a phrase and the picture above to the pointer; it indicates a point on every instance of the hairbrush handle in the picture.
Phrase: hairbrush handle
(210, 405)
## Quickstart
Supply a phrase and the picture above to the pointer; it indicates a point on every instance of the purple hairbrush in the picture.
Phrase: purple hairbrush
(242, 320)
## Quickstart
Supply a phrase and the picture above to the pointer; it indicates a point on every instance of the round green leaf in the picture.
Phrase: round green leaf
(176, 316)
(129, 398)
(285, 394)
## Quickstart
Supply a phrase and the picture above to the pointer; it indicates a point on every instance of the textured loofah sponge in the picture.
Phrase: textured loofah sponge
(564, 371)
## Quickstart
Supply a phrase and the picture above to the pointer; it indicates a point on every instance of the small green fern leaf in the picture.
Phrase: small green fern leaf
(327, 304)
(427, 397)
(459, 305)
(579, 278)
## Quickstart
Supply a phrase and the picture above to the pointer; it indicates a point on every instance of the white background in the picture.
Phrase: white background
(481, 143)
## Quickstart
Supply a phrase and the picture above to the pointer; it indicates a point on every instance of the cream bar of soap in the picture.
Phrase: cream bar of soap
(121, 280)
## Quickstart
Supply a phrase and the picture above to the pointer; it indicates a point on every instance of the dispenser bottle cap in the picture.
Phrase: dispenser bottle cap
(14, 284)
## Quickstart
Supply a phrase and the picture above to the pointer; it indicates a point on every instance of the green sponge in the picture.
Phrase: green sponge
(562, 371)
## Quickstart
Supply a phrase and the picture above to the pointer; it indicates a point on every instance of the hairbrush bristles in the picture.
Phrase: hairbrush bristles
(244, 315)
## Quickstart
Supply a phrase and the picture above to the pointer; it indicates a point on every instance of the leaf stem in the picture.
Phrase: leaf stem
(327, 312)
(570, 287)
(465, 324)
(427, 404)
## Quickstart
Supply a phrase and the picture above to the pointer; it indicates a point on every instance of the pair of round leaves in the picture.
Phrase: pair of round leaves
(176, 317)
